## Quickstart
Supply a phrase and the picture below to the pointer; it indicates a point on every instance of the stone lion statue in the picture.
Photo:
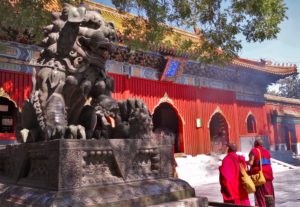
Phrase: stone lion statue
(71, 92)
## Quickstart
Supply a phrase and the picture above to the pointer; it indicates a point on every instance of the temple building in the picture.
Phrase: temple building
(205, 105)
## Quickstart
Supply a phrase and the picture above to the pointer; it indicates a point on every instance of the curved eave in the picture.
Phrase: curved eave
(271, 69)
(272, 98)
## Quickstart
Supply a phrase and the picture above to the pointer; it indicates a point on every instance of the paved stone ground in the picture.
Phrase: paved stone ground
(286, 184)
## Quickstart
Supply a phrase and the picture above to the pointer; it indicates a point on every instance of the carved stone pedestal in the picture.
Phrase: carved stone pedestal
(116, 172)
(140, 193)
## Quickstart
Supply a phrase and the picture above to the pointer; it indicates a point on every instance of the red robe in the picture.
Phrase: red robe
(266, 189)
(266, 163)
(230, 180)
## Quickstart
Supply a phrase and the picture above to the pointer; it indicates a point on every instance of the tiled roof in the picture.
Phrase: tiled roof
(280, 99)
(266, 66)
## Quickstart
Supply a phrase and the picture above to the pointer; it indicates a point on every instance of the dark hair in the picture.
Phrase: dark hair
(232, 147)
(258, 142)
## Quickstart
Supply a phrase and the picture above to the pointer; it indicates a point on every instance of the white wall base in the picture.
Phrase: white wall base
(272, 147)
(281, 147)
(297, 147)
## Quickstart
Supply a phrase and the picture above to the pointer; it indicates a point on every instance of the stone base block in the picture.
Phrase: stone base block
(90, 173)
(62, 165)
(188, 202)
(134, 194)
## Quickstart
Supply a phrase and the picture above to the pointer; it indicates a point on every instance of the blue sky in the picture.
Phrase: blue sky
(284, 49)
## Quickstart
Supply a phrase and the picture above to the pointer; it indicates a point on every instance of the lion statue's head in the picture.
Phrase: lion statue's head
(79, 38)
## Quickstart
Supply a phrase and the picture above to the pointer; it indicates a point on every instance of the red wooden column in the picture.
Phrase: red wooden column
(297, 128)
(126, 91)
(297, 144)
(237, 130)
(277, 133)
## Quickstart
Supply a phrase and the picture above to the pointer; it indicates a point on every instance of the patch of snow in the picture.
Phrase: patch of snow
(204, 169)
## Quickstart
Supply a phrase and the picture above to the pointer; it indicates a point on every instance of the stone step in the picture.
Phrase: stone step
(285, 156)
(281, 166)
(188, 202)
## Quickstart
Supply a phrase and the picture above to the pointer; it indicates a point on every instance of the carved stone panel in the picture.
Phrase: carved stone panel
(70, 169)
(68, 164)
(99, 167)
(167, 162)
(145, 164)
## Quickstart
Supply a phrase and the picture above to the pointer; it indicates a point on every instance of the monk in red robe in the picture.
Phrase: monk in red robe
(230, 178)
(254, 162)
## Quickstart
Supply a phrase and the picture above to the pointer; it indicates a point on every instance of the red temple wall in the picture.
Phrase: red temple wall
(16, 85)
(190, 102)
(211, 101)
(276, 129)
(298, 132)
(272, 128)
(184, 99)
(258, 112)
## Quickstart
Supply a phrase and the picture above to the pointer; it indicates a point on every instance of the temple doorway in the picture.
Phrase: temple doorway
(219, 135)
(8, 114)
(165, 117)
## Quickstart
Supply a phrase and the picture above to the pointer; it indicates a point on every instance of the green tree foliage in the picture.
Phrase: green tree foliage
(289, 87)
(25, 19)
(222, 23)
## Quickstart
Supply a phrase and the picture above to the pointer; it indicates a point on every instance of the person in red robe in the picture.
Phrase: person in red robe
(230, 177)
(254, 162)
